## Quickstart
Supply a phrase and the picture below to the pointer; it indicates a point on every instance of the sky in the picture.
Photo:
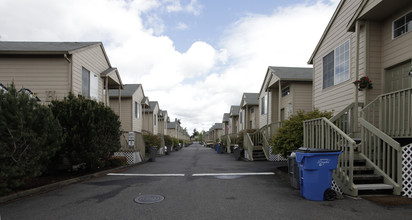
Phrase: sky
(195, 57)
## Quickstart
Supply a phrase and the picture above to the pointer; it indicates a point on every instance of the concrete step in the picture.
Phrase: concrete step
(374, 189)
(367, 179)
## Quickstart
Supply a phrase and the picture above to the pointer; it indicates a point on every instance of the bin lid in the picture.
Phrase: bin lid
(315, 150)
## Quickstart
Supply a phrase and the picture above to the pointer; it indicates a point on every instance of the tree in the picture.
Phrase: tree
(195, 133)
(30, 136)
(290, 136)
(92, 131)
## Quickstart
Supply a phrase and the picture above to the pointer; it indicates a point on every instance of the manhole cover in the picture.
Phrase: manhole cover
(146, 199)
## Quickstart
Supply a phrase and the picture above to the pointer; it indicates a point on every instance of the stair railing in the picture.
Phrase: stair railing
(391, 113)
(248, 145)
(322, 133)
(345, 119)
(383, 153)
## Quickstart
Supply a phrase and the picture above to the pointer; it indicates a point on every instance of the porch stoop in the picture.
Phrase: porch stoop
(367, 182)
(258, 154)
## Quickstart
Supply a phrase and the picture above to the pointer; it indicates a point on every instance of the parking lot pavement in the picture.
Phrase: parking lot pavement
(195, 183)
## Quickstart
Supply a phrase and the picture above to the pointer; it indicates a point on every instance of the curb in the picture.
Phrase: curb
(53, 186)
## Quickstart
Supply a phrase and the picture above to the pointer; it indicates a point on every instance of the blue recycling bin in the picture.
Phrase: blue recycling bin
(217, 148)
(315, 171)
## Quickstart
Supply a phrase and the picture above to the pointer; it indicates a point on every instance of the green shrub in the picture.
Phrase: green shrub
(175, 142)
(151, 140)
(168, 140)
(29, 137)
(117, 161)
(92, 131)
(290, 136)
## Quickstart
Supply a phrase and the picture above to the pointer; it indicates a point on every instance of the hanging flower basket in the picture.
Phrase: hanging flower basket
(363, 83)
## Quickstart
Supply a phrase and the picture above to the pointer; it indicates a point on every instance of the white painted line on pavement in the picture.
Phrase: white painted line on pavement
(147, 174)
(234, 174)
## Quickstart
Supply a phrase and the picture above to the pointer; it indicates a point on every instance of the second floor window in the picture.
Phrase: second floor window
(285, 91)
(136, 110)
(263, 105)
(402, 25)
(336, 65)
(90, 84)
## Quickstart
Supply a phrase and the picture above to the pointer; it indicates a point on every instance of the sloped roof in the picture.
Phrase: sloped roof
(127, 91)
(20, 47)
(171, 125)
(152, 106)
(234, 110)
(225, 117)
(293, 73)
(218, 126)
(335, 14)
(249, 99)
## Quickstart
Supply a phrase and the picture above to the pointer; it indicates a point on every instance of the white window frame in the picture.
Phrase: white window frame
(341, 59)
(409, 24)
(263, 105)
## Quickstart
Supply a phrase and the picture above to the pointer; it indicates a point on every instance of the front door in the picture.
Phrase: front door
(398, 78)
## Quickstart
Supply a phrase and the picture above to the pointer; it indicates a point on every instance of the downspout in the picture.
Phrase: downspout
(279, 101)
(107, 90)
(367, 30)
(355, 119)
(70, 73)
(120, 105)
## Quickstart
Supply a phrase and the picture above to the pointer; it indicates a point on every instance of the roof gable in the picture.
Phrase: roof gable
(21, 47)
(128, 90)
(332, 20)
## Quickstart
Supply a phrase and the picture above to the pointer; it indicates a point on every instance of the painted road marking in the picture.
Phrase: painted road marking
(194, 175)
(234, 174)
(147, 174)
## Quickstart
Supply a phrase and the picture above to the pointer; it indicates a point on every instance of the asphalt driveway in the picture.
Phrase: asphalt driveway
(196, 183)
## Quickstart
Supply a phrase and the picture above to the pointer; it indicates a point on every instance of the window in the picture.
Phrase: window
(85, 82)
(90, 84)
(402, 25)
(154, 119)
(285, 91)
(241, 117)
(263, 104)
(136, 110)
(336, 65)
(252, 110)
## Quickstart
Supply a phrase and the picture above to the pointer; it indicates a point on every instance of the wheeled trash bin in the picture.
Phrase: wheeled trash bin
(315, 172)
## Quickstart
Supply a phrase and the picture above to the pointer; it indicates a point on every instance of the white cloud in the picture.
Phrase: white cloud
(182, 26)
(198, 85)
(193, 7)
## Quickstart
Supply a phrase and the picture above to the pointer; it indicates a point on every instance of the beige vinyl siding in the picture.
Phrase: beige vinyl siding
(287, 102)
(37, 73)
(396, 50)
(137, 122)
(94, 60)
(156, 127)
(369, 5)
(338, 96)
(126, 114)
(373, 59)
(302, 96)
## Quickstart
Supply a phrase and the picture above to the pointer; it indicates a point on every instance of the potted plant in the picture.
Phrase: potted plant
(363, 83)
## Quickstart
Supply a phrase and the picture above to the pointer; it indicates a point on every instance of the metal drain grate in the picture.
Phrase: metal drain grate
(147, 199)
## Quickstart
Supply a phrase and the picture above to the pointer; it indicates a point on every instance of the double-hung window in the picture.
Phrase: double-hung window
(263, 105)
(336, 65)
(136, 110)
(90, 84)
(402, 25)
